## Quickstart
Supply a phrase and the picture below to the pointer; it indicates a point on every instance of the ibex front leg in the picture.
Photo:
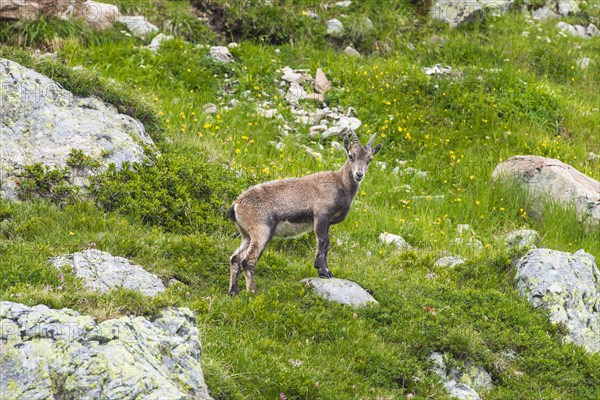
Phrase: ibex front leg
(322, 233)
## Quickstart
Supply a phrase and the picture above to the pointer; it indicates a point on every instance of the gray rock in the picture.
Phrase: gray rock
(544, 13)
(290, 75)
(592, 30)
(568, 287)
(98, 15)
(456, 12)
(221, 54)
(43, 123)
(556, 181)
(46, 350)
(522, 239)
(566, 7)
(578, 30)
(158, 40)
(449, 261)
(335, 27)
(340, 291)
(468, 242)
(390, 238)
(343, 4)
(295, 93)
(437, 69)
(138, 25)
(102, 272)
(583, 62)
(461, 383)
(322, 84)
(349, 51)
(210, 108)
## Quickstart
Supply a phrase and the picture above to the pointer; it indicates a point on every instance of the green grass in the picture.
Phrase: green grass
(515, 95)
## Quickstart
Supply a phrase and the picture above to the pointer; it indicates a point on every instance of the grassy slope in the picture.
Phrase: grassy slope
(518, 94)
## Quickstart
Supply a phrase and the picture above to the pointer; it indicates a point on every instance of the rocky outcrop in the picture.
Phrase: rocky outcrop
(340, 291)
(60, 354)
(102, 272)
(579, 30)
(568, 287)
(551, 179)
(98, 15)
(43, 123)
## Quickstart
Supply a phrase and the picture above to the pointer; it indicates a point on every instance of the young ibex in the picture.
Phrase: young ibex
(291, 207)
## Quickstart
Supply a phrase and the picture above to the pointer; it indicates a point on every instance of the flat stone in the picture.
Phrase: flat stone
(102, 272)
(522, 239)
(322, 84)
(340, 291)
(449, 261)
(390, 238)
(350, 51)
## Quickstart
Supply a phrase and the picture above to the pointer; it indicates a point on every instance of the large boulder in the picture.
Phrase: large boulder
(340, 291)
(60, 354)
(556, 181)
(43, 123)
(568, 287)
(102, 272)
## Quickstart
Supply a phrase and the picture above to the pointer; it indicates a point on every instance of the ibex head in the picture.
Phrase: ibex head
(359, 156)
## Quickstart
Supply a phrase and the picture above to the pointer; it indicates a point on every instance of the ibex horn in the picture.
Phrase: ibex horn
(370, 142)
(355, 138)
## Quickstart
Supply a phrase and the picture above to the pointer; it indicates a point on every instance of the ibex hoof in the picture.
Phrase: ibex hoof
(325, 273)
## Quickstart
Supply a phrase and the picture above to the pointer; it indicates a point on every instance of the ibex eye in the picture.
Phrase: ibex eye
(351, 157)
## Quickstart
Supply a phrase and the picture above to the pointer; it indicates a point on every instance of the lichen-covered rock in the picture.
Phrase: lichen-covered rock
(60, 354)
(34, 9)
(102, 272)
(43, 123)
(221, 54)
(340, 291)
(461, 383)
(568, 286)
(522, 239)
(554, 180)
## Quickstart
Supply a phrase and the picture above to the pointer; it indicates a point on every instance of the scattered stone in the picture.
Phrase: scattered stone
(335, 27)
(290, 75)
(314, 96)
(322, 84)
(578, 30)
(340, 291)
(568, 287)
(221, 54)
(337, 146)
(522, 239)
(124, 358)
(210, 108)
(349, 51)
(583, 62)
(102, 272)
(138, 25)
(437, 69)
(343, 4)
(390, 238)
(449, 261)
(566, 7)
(268, 113)
(544, 13)
(556, 181)
(232, 45)
(593, 156)
(43, 123)
(158, 40)
(464, 228)
(295, 93)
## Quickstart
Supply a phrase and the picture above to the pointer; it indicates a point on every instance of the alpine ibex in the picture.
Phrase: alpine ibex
(290, 207)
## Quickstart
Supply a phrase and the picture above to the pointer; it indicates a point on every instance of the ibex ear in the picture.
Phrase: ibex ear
(376, 149)
(347, 143)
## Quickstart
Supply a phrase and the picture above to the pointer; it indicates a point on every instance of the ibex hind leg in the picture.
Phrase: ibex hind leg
(257, 246)
(235, 262)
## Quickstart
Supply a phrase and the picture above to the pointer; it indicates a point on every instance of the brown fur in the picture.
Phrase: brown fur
(289, 206)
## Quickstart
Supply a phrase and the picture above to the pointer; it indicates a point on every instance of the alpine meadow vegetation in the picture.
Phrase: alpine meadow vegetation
(510, 94)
